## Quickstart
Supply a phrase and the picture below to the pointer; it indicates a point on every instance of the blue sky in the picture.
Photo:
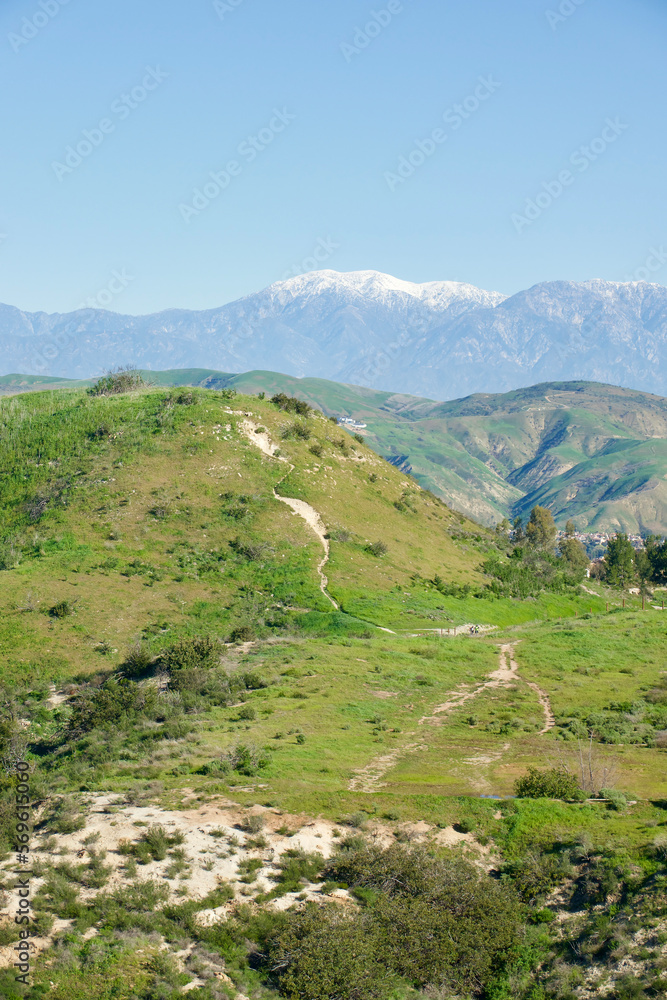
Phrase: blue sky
(305, 120)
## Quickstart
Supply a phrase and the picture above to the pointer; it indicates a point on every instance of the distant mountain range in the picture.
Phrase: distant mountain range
(594, 453)
(441, 339)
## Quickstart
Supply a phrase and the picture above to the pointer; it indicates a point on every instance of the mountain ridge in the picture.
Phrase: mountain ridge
(441, 340)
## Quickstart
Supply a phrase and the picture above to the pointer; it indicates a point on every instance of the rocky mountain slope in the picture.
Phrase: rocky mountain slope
(440, 339)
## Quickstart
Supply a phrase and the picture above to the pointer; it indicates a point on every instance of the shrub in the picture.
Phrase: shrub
(9, 557)
(555, 783)
(252, 551)
(252, 823)
(61, 610)
(185, 397)
(297, 866)
(117, 700)
(617, 800)
(117, 381)
(188, 654)
(433, 922)
(359, 438)
(290, 404)
(247, 712)
(137, 660)
(153, 845)
(238, 506)
(245, 759)
(242, 633)
(297, 429)
(536, 874)
(324, 952)
(376, 549)
(316, 450)
(66, 815)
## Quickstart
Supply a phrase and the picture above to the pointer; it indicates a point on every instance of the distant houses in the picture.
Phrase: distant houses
(350, 424)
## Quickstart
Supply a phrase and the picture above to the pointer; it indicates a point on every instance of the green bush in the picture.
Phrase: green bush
(242, 633)
(118, 381)
(252, 823)
(64, 815)
(137, 660)
(297, 866)
(432, 922)
(61, 610)
(536, 874)
(296, 430)
(554, 783)
(190, 653)
(376, 549)
(153, 845)
(617, 800)
(118, 700)
(246, 759)
(324, 952)
(290, 404)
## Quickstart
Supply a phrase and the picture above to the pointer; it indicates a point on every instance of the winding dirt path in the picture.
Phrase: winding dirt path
(299, 507)
(549, 717)
(369, 778)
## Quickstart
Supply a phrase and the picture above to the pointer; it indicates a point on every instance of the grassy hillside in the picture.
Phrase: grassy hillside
(589, 452)
(214, 745)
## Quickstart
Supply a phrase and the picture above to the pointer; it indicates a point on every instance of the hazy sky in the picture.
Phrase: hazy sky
(303, 109)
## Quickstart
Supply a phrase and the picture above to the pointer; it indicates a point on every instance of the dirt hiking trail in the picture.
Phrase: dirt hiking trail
(299, 507)
(368, 778)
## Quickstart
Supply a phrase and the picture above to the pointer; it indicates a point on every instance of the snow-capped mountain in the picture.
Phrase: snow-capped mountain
(439, 339)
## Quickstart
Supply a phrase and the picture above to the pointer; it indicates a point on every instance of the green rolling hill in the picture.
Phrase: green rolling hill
(594, 453)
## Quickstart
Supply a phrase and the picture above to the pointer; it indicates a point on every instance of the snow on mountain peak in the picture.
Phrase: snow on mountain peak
(380, 286)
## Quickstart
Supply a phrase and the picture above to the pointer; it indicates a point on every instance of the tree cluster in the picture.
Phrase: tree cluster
(623, 565)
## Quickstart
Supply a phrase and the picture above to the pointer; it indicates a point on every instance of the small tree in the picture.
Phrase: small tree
(573, 552)
(655, 550)
(620, 561)
(541, 528)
